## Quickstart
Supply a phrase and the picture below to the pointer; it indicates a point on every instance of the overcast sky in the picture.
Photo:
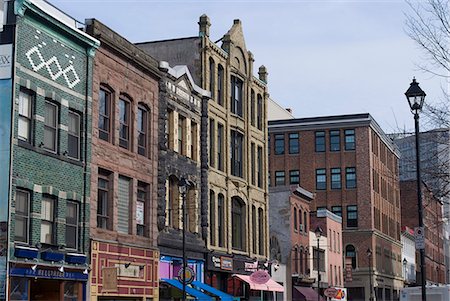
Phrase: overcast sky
(323, 57)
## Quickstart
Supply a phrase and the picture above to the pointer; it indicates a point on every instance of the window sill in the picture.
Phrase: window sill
(42, 151)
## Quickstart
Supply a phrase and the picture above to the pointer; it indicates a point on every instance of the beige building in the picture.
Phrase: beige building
(236, 133)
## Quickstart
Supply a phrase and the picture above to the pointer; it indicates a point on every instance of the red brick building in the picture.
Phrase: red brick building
(432, 219)
(124, 170)
(352, 166)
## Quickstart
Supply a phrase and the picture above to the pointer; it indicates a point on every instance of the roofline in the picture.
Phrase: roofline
(168, 40)
(180, 70)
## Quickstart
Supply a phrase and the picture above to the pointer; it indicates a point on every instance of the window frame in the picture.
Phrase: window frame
(352, 222)
(349, 171)
(51, 222)
(353, 258)
(181, 137)
(294, 173)
(238, 223)
(212, 77)
(279, 147)
(253, 163)
(220, 84)
(73, 225)
(261, 231)
(349, 145)
(337, 212)
(51, 128)
(69, 134)
(237, 96)
(259, 112)
(280, 174)
(335, 140)
(221, 220)
(260, 170)
(212, 217)
(24, 215)
(294, 143)
(125, 124)
(30, 97)
(220, 147)
(320, 142)
(105, 215)
(212, 143)
(105, 134)
(252, 107)
(142, 189)
(142, 130)
(336, 178)
(321, 172)
(237, 154)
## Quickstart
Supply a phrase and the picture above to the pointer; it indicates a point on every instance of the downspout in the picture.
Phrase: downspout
(86, 111)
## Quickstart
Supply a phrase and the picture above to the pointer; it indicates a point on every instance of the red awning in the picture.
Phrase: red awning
(270, 285)
(308, 293)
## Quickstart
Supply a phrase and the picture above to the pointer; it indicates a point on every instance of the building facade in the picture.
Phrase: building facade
(236, 148)
(51, 124)
(125, 116)
(352, 167)
(409, 256)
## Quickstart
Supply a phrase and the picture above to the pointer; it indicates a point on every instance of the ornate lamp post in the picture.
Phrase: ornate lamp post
(318, 233)
(415, 96)
(183, 186)
(369, 255)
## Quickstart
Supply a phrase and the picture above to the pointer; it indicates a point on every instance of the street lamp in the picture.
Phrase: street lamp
(183, 186)
(318, 233)
(369, 255)
(405, 262)
(415, 96)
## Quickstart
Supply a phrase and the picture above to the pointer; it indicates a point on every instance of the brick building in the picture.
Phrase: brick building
(51, 112)
(237, 121)
(125, 116)
(433, 223)
(352, 167)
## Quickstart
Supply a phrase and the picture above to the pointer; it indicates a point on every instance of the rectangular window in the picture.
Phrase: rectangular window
(320, 141)
(321, 254)
(253, 163)
(260, 167)
(194, 139)
(350, 177)
(261, 230)
(294, 177)
(236, 96)
(123, 205)
(22, 216)
(104, 194)
(47, 220)
(259, 112)
(220, 147)
(321, 179)
(349, 139)
(279, 178)
(237, 154)
(142, 130)
(51, 126)
(181, 135)
(212, 143)
(252, 107)
(337, 210)
(141, 212)
(73, 136)
(352, 216)
(255, 241)
(71, 225)
(25, 116)
(212, 218)
(221, 219)
(336, 178)
(335, 141)
(294, 143)
(279, 144)
(124, 123)
(104, 115)
(220, 78)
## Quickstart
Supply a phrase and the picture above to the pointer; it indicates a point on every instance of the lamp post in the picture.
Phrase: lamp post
(405, 262)
(183, 186)
(369, 255)
(318, 233)
(415, 96)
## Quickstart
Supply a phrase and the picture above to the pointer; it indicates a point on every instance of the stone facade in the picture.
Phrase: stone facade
(125, 116)
(50, 194)
(352, 167)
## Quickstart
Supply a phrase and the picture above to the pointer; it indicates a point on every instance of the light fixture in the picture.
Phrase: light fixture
(183, 185)
(415, 96)
(127, 265)
(86, 271)
(318, 232)
(61, 269)
(369, 252)
(34, 267)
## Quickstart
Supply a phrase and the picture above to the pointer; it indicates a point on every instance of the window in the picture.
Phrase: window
(349, 139)
(238, 223)
(142, 124)
(350, 177)
(22, 216)
(321, 179)
(260, 167)
(25, 115)
(236, 96)
(337, 210)
(50, 126)
(320, 141)
(351, 252)
(330, 241)
(294, 143)
(141, 209)
(191, 211)
(212, 142)
(338, 243)
(259, 112)
(220, 147)
(300, 224)
(253, 163)
(103, 200)
(279, 144)
(295, 219)
(305, 221)
(212, 217)
(173, 204)
(237, 154)
(181, 135)
(72, 225)
(170, 130)
(335, 141)
(294, 177)
(336, 178)
(352, 216)
(212, 75)
(220, 78)
(47, 220)
(124, 123)
(261, 230)
(255, 242)
(194, 141)
(279, 178)
(123, 205)
(221, 219)
(104, 115)
(252, 107)
(73, 136)
(268, 145)
(321, 254)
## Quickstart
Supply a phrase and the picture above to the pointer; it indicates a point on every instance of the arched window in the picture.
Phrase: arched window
(252, 107)
(125, 122)
(221, 219)
(238, 223)
(295, 219)
(212, 76)
(350, 251)
(237, 96)
(142, 128)
(173, 212)
(259, 112)
(212, 217)
(220, 85)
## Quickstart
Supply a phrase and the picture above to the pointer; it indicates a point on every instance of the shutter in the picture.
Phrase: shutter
(123, 207)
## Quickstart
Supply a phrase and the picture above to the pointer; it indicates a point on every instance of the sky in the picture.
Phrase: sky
(323, 57)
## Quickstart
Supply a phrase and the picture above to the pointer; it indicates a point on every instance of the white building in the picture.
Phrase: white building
(408, 256)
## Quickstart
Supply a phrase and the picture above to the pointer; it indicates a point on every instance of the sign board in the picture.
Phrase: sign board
(260, 277)
(188, 277)
(348, 269)
(341, 294)
(6, 59)
(109, 279)
(226, 263)
(330, 292)
(131, 271)
(419, 237)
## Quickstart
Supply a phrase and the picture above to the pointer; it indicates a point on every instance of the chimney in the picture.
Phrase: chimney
(263, 73)
(204, 26)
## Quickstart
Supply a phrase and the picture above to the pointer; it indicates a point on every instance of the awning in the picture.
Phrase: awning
(191, 291)
(308, 293)
(270, 285)
(223, 296)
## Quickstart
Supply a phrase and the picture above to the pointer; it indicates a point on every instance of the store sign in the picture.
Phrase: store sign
(260, 277)
(221, 262)
(341, 294)
(5, 61)
(251, 266)
(348, 269)
(109, 279)
(131, 271)
(188, 275)
(140, 213)
(48, 274)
